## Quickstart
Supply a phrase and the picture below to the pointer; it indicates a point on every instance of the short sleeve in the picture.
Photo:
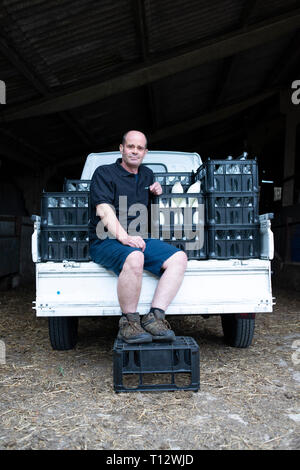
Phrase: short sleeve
(101, 188)
(149, 175)
(152, 178)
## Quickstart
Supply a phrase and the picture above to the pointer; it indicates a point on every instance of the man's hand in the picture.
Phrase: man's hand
(155, 189)
(134, 241)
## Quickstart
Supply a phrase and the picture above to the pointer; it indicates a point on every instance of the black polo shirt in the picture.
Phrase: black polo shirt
(109, 182)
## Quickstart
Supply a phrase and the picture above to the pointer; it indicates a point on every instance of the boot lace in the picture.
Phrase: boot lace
(135, 325)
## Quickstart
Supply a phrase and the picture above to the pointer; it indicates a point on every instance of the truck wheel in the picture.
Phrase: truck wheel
(238, 329)
(63, 332)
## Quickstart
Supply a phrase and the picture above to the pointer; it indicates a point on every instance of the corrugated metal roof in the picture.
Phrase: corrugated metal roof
(50, 48)
(253, 69)
(18, 89)
(175, 23)
(195, 87)
(266, 8)
(70, 42)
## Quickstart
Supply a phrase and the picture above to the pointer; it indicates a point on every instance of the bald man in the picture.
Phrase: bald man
(128, 255)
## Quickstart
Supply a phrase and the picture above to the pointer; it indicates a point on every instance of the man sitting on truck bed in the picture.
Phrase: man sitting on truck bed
(127, 255)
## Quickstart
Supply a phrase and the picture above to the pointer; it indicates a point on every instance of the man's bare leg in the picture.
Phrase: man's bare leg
(170, 281)
(130, 282)
(129, 289)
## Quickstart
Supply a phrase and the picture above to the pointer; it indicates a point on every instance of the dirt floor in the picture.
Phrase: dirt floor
(248, 399)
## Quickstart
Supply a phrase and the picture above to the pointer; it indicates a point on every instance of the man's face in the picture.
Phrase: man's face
(133, 150)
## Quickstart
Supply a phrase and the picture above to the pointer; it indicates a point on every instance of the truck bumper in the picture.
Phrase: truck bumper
(209, 287)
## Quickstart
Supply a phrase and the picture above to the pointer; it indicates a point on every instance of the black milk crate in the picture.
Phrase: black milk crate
(76, 185)
(65, 243)
(59, 209)
(179, 209)
(168, 179)
(236, 241)
(183, 225)
(194, 249)
(232, 208)
(228, 176)
(171, 366)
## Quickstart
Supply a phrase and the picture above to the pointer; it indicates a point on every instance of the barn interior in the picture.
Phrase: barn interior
(218, 78)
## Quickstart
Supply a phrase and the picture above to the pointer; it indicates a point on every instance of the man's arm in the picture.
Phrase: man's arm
(110, 221)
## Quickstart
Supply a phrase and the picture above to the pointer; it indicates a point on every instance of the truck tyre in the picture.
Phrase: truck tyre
(63, 332)
(238, 329)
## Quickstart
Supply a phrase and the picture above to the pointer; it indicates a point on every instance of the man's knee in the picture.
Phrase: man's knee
(183, 259)
(179, 259)
(134, 262)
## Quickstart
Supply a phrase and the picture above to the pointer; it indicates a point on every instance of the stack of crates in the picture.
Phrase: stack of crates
(231, 208)
(64, 226)
(220, 220)
(179, 217)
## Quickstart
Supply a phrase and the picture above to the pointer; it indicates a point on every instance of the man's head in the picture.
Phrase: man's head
(133, 150)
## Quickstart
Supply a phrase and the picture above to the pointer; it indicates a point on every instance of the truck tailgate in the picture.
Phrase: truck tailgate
(209, 287)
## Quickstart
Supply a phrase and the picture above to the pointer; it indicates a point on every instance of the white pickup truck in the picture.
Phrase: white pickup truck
(235, 289)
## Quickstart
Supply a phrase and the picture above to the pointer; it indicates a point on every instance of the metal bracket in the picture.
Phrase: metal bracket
(70, 264)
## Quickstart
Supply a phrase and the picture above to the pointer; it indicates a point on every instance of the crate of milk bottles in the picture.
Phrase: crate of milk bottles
(229, 175)
(65, 208)
(64, 226)
(76, 185)
(231, 207)
(65, 243)
(233, 242)
(175, 182)
(179, 213)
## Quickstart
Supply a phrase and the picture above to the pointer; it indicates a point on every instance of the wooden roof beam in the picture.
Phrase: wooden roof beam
(143, 44)
(183, 127)
(229, 63)
(288, 61)
(15, 149)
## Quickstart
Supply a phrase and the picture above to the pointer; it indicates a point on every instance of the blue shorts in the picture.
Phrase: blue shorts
(111, 254)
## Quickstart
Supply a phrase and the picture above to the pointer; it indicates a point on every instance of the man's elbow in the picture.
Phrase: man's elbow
(102, 210)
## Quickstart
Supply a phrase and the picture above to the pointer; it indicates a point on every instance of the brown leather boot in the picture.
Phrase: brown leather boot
(130, 329)
(156, 324)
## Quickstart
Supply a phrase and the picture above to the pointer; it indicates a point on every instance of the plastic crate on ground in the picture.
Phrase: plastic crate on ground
(236, 241)
(156, 366)
(228, 176)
